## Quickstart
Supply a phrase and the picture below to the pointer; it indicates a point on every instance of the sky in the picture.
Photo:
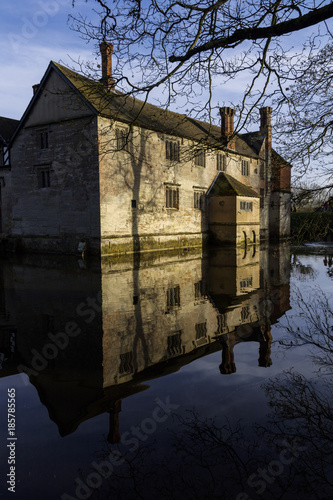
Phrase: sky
(32, 33)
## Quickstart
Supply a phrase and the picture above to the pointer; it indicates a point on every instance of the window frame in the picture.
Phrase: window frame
(246, 206)
(199, 200)
(172, 197)
(245, 168)
(221, 162)
(200, 158)
(44, 180)
(122, 135)
(44, 142)
(172, 150)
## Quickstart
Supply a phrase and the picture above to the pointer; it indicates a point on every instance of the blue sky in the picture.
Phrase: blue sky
(32, 33)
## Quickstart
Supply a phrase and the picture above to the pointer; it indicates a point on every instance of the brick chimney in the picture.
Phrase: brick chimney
(106, 49)
(266, 125)
(227, 126)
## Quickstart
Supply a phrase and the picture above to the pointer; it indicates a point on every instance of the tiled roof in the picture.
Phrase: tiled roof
(226, 185)
(130, 110)
(7, 128)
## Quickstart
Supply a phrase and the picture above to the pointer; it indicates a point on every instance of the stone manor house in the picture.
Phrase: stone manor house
(89, 167)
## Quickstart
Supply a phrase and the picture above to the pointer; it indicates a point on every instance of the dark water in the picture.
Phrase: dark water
(179, 376)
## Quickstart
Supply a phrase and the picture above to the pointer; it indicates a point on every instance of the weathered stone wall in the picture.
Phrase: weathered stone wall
(280, 215)
(55, 190)
(232, 225)
(133, 184)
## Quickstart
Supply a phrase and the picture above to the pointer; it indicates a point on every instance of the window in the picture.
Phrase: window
(200, 330)
(172, 197)
(4, 157)
(221, 162)
(44, 178)
(199, 200)
(133, 203)
(173, 297)
(199, 291)
(44, 139)
(245, 167)
(262, 173)
(122, 137)
(200, 158)
(172, 150)
(262, 198)
(246, 205)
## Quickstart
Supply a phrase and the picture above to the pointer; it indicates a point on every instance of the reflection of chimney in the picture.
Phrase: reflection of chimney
(35, 88)
(227, 366)
(106, 53)
(114, 436)
(266, 125)
(227, 126)
(265, 359)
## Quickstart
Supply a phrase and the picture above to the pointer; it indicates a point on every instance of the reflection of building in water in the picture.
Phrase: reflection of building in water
(133, 323)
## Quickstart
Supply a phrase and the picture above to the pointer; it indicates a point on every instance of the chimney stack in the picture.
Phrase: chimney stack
(106, 49)
(227, 125)
(35, 88)
(266, 125)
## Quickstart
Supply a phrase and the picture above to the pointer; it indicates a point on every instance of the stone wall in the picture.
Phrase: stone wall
(134, 183)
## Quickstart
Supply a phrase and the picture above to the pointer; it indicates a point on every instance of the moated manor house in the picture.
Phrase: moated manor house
(88, 167)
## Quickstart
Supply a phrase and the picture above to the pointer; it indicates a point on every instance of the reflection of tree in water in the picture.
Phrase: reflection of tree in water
(287, 457)
(300, 271)
(328, 262)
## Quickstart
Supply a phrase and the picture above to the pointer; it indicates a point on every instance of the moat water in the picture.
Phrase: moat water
(182, 376)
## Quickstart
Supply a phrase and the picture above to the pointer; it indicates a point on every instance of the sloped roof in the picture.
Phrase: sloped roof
(7, 128)
(254, 140)
(226, 185)
(128, 109)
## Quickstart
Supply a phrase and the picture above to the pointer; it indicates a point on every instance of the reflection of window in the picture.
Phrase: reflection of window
(245, 313)
(221, 322)
(198, 290)
(246, 282)
(173, 297)
(172, 197)
(172, 150)
(246, 205)
(220, 162)
(199, 200)
(199, 158)
(126, 363)
(175, 343)
(245, 167)
(200, 330)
